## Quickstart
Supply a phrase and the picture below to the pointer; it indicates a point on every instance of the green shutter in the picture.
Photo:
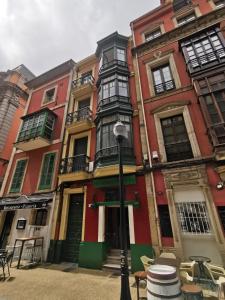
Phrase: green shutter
(18, 176)
(47, 171)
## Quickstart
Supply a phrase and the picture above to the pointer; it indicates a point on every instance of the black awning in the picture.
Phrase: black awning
(26, 202)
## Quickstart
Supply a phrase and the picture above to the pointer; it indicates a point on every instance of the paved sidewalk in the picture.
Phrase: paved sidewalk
(54, 284)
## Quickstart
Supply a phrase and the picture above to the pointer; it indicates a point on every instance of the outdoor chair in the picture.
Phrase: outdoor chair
(185, 277)
(216, 271)
(168, 255)
(146, 261)
(188, 267)
(5, 259)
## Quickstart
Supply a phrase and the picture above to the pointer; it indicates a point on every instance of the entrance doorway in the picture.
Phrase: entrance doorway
(71, 245)
(112, 227)
(6, 229)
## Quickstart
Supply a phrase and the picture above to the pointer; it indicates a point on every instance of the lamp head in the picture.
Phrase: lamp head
(220, 185)
(120, 130)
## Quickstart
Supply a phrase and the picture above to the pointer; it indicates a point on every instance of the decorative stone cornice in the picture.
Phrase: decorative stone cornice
(182, 32)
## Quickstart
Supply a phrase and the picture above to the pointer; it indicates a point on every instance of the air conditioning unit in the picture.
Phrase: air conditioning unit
(91, 166)
(155, 155)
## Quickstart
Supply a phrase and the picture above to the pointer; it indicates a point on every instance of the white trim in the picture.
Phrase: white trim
(55, 87)
(101, 224)
(131, 223)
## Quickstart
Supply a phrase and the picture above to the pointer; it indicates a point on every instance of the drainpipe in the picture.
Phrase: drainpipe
(149, 150)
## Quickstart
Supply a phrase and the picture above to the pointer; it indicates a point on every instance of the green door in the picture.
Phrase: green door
(71, 245)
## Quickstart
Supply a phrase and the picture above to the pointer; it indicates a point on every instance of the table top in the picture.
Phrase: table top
(199, 258)
(30, 238)
(141, 274)
(191, 288)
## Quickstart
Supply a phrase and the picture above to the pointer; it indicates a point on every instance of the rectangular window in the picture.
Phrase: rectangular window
(123, 88)
(121, 55)
(47, 171)
(176, 141)
(221, 211)
(193, 218)
(152, 35)
(49, 95)
(186, 19)
(18, 176)
(163, 80)
(108, 56)
(109, 90)
(165, 223)
(41, 217)
(86, 77)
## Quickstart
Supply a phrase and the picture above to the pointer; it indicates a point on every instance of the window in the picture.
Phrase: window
(112, 56)
(165, 224)
(41, 217)
(49, 96)
(152, 35)
(108, 90)
(123, 88)
(203, 49)
(86, 78)
(47, 171)
(120, 54)
(221, 211)
(186, 19)
(178, 4)
(193, 218)
(18, 176)
(219, 3)
(108, 56)
(176, 141)
(163, 80)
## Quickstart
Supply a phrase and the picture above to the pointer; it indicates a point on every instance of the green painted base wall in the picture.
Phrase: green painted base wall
(92, 255)
(136, 252)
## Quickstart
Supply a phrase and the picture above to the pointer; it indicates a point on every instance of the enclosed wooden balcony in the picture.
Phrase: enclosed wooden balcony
(80, 120)
(83, 85)
(36, 131)
(74, 168)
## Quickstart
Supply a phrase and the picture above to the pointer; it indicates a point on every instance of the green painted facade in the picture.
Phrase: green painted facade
(136, 252)
(92, 255)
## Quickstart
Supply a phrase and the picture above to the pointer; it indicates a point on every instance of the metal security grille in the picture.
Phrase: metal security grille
(193, 218)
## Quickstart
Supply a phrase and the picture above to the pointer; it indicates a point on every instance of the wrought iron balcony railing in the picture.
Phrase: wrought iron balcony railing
(73, 164)
(112, 63)
(79, 115)
(207, 58)
(165, 86)
(111, 152)
(81, 81)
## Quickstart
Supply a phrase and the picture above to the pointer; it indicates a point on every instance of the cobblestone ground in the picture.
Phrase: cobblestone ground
(48, 283)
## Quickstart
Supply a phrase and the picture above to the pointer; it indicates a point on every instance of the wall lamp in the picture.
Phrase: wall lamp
(220, 185)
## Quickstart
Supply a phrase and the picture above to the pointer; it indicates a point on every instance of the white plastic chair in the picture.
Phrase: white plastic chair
(146, 261)
(167, 255)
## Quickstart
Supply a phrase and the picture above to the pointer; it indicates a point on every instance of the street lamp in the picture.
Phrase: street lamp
(120, 133)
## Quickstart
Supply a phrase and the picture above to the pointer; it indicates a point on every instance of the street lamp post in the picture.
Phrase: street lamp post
(120, 133)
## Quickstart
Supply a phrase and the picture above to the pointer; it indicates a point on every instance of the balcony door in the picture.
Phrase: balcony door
(80, 153)
(83, 109)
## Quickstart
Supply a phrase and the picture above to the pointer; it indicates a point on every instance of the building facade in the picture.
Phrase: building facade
(13, 97)
(27, 194)
(179, 57)
(103, 93)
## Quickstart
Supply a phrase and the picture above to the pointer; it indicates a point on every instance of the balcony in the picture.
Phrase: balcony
(79, 120)
(205, 61)
(114, 101)
(83, 85)
(109, 156)
(113, 63)
(36, 131)
(74, 168)
(217, 134)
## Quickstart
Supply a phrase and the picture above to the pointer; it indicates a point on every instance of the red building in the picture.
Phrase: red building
(179, 58)
(28, 190)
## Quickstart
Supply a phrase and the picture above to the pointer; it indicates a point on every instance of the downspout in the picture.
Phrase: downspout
(149, 149)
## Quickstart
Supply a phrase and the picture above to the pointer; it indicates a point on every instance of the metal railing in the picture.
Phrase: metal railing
(113, 100)
(74, 164)
(113, 151)
(83, 80)
(113, 63)
(39, 131)
(207, 58)
(165, 86)
(217, 134)
(79, 115)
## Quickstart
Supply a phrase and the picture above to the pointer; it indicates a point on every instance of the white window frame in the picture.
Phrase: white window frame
(151, 29)
(43, 103)
(183, 14)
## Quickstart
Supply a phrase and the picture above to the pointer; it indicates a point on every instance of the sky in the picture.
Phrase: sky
(42, 34)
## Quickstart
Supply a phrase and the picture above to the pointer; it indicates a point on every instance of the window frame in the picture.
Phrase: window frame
(18, 190)
(41, 186)
(185, 19)
(43, 102)
(44, 216)
(162, 77)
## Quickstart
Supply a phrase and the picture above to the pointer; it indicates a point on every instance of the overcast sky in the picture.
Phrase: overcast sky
(44, 33)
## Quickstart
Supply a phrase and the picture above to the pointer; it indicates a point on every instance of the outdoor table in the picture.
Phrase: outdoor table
(173, 262)
(200, 261)
(23, 240)
(140, 275)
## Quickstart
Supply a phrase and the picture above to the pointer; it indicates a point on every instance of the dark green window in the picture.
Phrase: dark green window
(18, 176)
(47, 171)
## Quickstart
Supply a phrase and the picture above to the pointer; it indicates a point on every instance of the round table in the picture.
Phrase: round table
(200, 261)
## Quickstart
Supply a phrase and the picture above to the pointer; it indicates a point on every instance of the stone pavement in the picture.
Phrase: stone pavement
(53, 282)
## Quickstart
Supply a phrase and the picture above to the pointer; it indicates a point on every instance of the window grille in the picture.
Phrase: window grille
(193, 218)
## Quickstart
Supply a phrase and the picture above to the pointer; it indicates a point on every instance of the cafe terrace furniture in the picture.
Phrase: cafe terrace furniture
(203, 272)
(192, 292)
(147, 261)
(5, 258)
(188, 267)
(38, 242)
(139, 276)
